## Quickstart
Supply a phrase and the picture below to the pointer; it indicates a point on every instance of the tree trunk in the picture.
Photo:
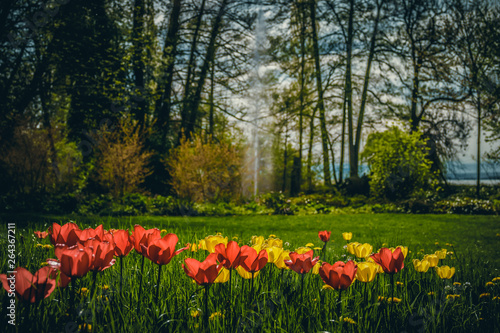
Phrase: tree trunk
(355, 162)
(138, 65)
(209, 57)
(348, 91)
(301, 93)
(478, 184)
(163, 106)
(321, 104)
(190, 67)
(211, 102)
(309, 152)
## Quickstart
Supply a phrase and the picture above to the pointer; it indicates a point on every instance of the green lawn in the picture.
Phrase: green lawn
(281, 301)
(468, 234)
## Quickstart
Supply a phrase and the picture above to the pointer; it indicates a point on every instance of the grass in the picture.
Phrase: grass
(277, 304)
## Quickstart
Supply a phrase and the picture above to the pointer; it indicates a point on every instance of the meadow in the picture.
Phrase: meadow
(276, 299)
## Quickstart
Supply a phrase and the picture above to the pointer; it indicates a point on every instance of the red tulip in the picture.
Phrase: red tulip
(254, 261)
(30, 287)
(204, 273)
(391, 262)
(140, 237)
(75, 261)
(41, 234)
(102, 254)
(324, 235)
(301, 263)
(123, 242)
(340, 275)
(97, 233)
(67, 234)
(161, 251)
(64, 280)
(229, 256)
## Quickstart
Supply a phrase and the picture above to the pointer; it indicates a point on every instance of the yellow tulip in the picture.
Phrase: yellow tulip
(421, 266)
(257, 247)
(193, 247)
(367, 271)
(223, 276)
(202, 245)
(404, 249)
(244, 274)
(270, 242)
(347, 236)
(445, 272)
(280, 261)
(432, 259)
(441, 253)
(379, 268)
(363, 250)
(273, 253)
(315, 269)
(351, 246)
(302, 250)
(257, 240)
(212, 241)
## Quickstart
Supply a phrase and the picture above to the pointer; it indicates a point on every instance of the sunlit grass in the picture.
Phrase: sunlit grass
(276, 304)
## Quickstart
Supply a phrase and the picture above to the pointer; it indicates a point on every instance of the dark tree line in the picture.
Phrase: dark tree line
(71, 69)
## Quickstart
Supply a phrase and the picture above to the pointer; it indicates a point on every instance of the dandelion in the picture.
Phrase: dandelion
(430, 293)
(195, 313)
(484, 295)
(496, 298)
(437, 243)
(347, 320)
(215, 315)
(495, 279)
(489, 284)
(105, 287)
(309, 244)
(400, 283)
(47, 247)
(272, 236)
(457, 284)
(452, 296)
(85, 327)
(163, 231)
(83, 291)
(39, 245)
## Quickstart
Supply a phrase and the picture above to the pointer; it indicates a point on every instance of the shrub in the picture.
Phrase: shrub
(121, 162)
(205, 171)
(398, 164)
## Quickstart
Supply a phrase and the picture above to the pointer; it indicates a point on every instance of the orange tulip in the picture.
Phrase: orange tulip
(229, 255)
(102, 254)
(301, 263)
(41, 234)
(75, 261)
(391, 262)
(324, 235)
(203, 273)
(123, 242)
(161, 251)
(67, 234)
(97, 233)
(29, 287)
(140, 237)
(254, 261)
(340, 275)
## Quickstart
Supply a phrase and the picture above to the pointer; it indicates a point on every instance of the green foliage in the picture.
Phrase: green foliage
(205, 171)
(398, 164)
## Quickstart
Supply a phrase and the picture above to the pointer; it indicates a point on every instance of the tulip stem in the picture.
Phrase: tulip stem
(205, 313)
(339, 310)
(140, 284)
(94, 276)
(251, 289)
(302, 289)
(158, 283)
(121, 274)
(323, 252)
(392, 297)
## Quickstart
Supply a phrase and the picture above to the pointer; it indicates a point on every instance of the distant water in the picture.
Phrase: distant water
(457, 173)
